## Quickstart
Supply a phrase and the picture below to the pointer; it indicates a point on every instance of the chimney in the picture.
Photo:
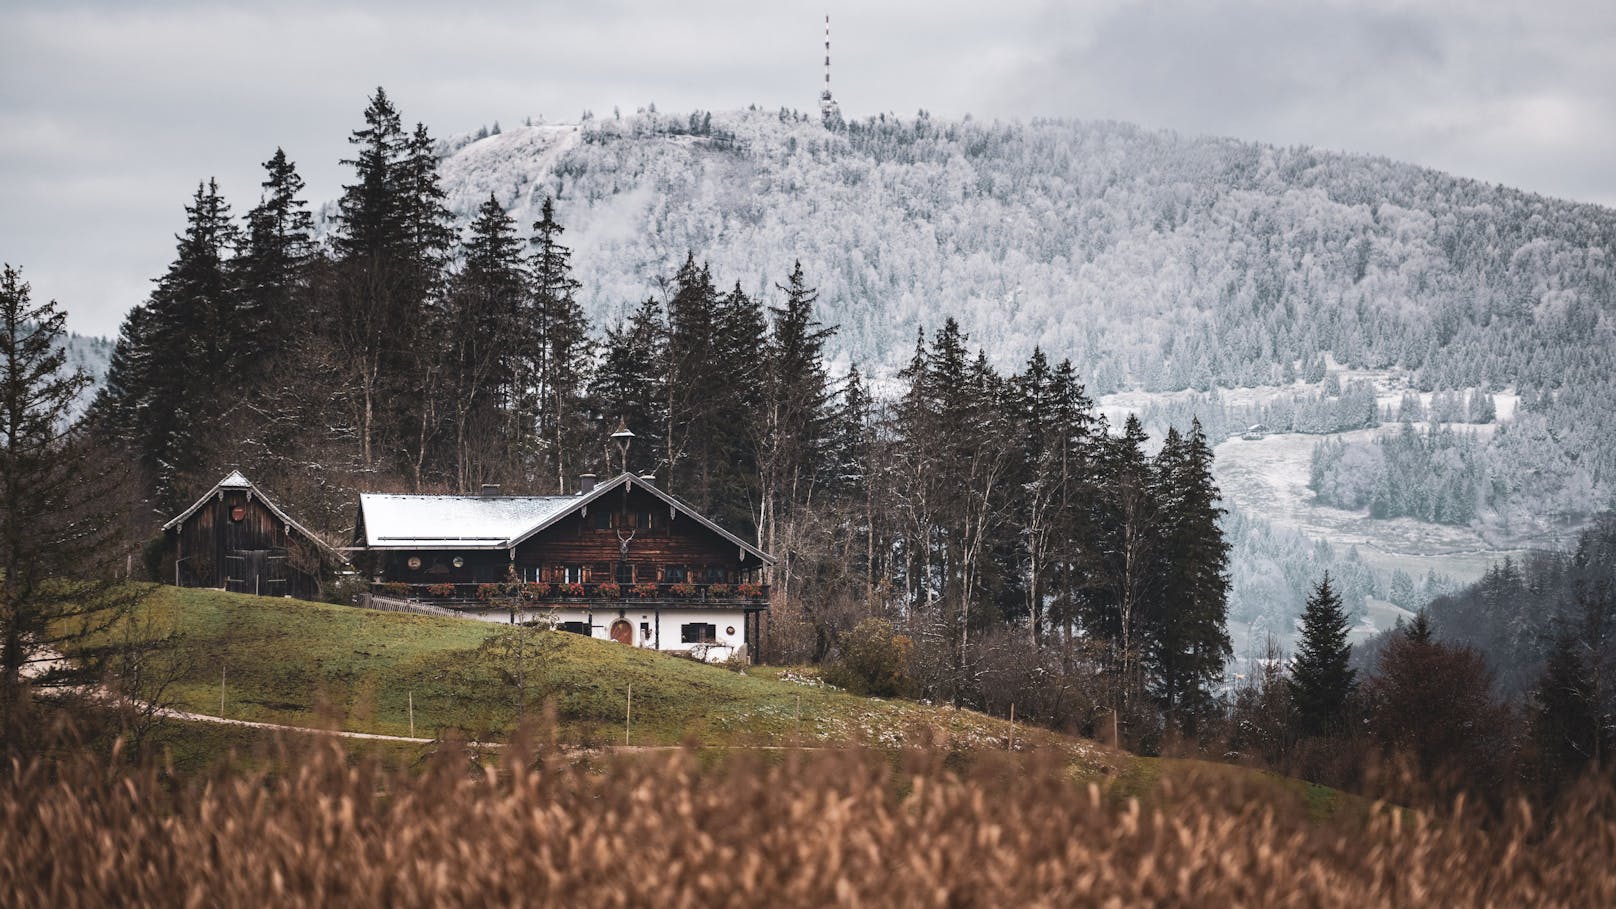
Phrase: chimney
(490, 489)
(586, 483)
(648, 479)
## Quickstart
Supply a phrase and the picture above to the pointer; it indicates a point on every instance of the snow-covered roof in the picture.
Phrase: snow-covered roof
(492, 522)
(454, 522)
(234, 480)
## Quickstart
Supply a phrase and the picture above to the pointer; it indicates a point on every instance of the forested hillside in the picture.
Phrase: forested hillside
(1151, 259)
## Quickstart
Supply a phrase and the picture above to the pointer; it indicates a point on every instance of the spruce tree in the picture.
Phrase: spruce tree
(630, 387)
(794, 417)
(271, 271)
(173, 351)
(1322, 682)
(1565, 714)
(56, 531)
(1190, 640)
(487, 316)
(561, 354)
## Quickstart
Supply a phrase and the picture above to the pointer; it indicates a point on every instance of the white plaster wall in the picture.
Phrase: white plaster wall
(671, 619)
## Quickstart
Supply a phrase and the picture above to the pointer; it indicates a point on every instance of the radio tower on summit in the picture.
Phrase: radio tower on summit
(828, 111)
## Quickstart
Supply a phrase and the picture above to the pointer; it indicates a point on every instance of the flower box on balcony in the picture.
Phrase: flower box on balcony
(645, 590)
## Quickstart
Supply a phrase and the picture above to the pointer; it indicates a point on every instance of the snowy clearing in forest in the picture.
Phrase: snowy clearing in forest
(1268, 478)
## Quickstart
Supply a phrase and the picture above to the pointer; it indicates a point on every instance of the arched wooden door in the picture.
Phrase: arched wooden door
(623, 632)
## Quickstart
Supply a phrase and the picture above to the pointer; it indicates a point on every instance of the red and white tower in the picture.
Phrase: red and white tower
(828, 111)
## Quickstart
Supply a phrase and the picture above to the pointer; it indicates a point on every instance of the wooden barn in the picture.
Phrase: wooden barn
(236, 538)
(621, 560)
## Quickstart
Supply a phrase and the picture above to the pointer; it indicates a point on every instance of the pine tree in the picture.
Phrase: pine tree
(56, 531)
(271, 270)
(369, 241)
(172, 352)
(1123, 555)
(1321, 681)
(562, 352)
(795, 415)
(393, 241)
(1565, 714)
(630, 387)
(1190, 636)
(488, 305)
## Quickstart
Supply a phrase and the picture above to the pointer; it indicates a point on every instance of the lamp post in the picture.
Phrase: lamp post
(623, 436)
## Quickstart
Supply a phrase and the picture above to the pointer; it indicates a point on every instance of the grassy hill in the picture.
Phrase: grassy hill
(309, 664)
(336, 667)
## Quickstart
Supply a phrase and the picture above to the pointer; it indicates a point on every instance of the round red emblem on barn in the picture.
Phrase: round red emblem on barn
(238, 512)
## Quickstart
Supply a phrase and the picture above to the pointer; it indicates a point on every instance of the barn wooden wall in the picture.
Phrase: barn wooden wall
(211, 550)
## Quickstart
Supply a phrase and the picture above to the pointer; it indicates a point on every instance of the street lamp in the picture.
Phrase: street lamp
(623, 436)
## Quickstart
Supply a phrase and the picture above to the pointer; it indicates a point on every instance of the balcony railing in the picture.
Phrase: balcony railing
(540, 595)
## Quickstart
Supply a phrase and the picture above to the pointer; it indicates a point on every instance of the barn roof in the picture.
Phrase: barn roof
(494, 522)
(236, 480)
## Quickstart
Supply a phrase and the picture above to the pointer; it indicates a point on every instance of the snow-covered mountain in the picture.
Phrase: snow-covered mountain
(1153, 260)
(1156, 262)
(90, 354)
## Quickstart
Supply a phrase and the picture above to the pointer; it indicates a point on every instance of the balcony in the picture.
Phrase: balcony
(590, 595)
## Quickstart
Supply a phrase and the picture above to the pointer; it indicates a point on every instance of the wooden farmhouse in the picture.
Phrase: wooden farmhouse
(622, 560)
(235, 538)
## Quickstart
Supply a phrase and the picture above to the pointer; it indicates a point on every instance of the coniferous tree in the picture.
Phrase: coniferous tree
(793, 424)
(174, 355)
(562, 354)
(487, 314)
(271, 270)
(55, 529)
(1322, 682)
(1191, 638)
(1566, 715)
(392, 244)
(630, 387)
(1124, 551)
(369, 242)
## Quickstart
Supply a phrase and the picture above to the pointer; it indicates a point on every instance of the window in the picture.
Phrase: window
(646, 521)
(575, 627)
(625, 573)
(674, 574)
(601, 519)
(574, 574)
(715, 575)
(645, 631)
(698, 633)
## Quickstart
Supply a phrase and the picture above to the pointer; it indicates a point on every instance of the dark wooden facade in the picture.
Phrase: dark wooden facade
(236, 539)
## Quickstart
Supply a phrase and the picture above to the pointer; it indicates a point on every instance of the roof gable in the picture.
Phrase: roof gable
(634, 482)
(236, 480)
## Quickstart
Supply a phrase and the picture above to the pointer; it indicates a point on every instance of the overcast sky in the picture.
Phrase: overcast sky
(111, 112)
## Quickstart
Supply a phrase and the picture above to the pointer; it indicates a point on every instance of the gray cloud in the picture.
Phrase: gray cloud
(111, 112)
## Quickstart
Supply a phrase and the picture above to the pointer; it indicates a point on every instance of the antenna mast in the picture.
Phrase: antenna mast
(828, 111)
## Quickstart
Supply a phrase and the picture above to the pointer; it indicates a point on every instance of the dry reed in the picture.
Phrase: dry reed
(812, 829)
